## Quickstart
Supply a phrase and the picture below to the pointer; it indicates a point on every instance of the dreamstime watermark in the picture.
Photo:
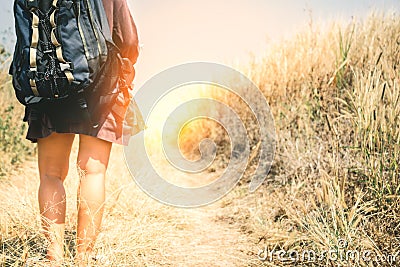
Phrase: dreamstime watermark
(224, 78)
(341, 253)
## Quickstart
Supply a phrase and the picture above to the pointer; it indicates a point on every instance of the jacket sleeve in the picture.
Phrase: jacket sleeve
(123, 28)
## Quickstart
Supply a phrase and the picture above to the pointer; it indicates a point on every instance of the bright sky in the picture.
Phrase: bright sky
(178, 31)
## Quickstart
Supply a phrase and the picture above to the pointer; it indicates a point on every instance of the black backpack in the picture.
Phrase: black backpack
(64, 48)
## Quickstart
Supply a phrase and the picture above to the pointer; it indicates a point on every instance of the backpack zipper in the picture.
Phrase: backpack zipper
(81, 31)
(96, 34)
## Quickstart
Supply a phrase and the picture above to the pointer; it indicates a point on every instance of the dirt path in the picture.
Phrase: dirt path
(137, 230)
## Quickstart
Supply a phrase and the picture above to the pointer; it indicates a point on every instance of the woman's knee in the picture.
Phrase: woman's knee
(54, 172)
(93, 155)
(90, 167)
(53, 156)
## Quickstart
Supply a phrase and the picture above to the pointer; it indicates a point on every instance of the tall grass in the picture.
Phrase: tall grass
(334, 93)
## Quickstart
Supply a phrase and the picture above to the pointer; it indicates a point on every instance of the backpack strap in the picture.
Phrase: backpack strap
(32, 5)
(66, 67)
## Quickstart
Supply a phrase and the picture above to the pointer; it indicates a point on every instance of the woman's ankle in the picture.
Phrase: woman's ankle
(83, 258)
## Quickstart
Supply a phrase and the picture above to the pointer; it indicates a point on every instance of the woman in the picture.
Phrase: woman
(55, 139)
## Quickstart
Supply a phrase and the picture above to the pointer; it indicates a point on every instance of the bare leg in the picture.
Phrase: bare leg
(53, 159)
(93, 160)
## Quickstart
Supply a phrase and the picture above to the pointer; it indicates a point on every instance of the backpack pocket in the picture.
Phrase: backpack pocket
(73, 41)
(20, 75)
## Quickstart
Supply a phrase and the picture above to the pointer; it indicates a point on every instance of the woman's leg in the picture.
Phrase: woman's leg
(53, 159)
(92, 165)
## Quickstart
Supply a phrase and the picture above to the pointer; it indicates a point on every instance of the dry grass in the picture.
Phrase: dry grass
(136, 230)
(335, 98)
(13, 150)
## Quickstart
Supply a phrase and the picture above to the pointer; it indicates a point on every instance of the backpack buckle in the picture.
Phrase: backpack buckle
(67, 66)
(31, 73)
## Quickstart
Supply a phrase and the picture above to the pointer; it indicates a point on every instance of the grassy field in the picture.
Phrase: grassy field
(333, 189)
(335, 183)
